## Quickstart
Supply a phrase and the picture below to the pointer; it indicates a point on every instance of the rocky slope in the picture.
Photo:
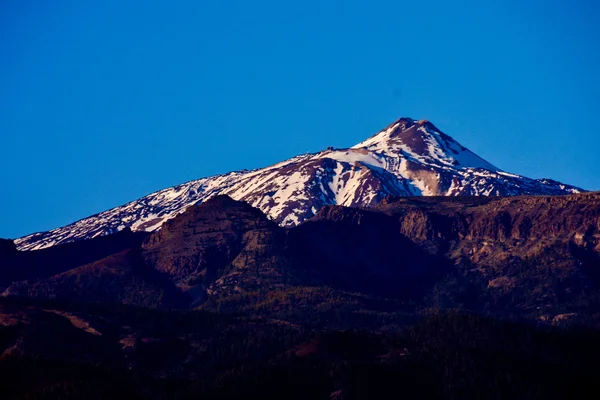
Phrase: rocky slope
(534, 257)
(224, 248)
(407, 158)
(121, 278)
(21, 265)
(220, 247)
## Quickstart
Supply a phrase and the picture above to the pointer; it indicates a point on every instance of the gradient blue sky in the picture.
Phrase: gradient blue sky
(103, 102)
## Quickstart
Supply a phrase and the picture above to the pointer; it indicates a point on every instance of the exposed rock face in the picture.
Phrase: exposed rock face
(572, 217)
(223, 246)
(533, 256)
(523, 254)
(407, 158)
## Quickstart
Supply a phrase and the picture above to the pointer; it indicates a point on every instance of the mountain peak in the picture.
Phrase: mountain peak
(423, 142)
(407, 158)
(405, 123)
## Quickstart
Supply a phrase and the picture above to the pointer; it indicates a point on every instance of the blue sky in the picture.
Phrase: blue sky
(103, 102)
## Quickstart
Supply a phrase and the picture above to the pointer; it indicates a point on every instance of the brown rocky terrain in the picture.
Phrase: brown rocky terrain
(531, 256)
(352, 304)
(220, 247)
(536, 253)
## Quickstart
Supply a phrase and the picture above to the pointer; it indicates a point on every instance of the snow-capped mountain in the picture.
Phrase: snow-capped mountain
(407, 158)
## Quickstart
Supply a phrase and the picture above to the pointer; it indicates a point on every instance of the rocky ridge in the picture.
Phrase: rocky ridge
(407, 158)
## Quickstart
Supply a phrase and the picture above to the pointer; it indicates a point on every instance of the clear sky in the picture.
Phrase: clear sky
(104, 102)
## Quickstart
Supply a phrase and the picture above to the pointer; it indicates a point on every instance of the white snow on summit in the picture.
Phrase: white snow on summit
(408, 158)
